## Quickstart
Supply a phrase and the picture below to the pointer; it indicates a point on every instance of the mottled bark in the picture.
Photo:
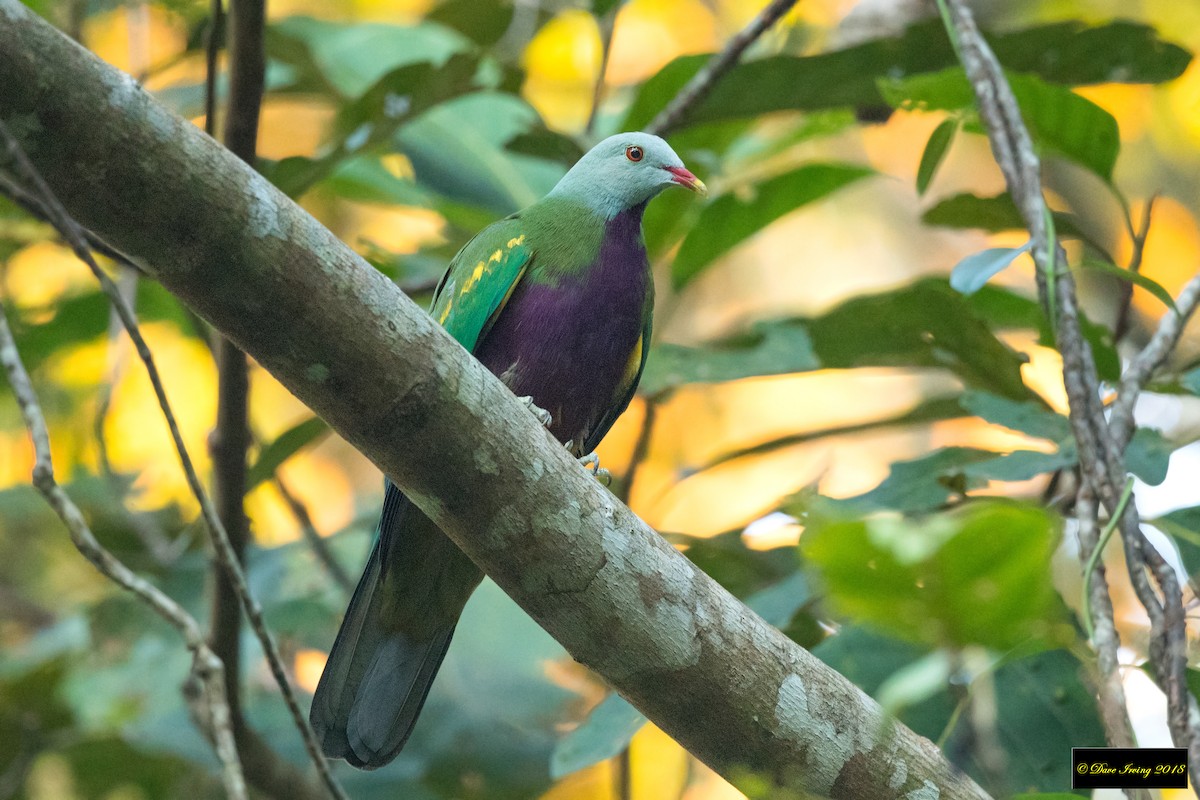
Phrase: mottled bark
(730, 688)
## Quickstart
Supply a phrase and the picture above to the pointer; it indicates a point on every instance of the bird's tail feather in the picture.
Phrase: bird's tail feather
(379, 673)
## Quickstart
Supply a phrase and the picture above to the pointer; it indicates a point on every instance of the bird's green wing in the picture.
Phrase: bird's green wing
(626, 389)
(480, 280)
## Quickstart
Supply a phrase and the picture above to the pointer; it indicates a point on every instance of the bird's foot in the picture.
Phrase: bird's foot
(591, 462)
(543, 416)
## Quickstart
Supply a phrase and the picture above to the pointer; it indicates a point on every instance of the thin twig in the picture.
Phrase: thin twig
(608, 26)
(31, 204)
(314, 538)
(225, 554)
(1138, 239)
(703, 81)
(206, 666)
(1152, 356)
(640, 448)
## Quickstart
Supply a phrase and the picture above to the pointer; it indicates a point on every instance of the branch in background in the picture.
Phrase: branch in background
(1110, 692)
(1137, 239)
(727, 686)
(703, 81)
(1152, 356)
(1100, 452)
(206, 666)
(230, 439)
(212, 47)
(608, 26)
(314, 538)
(72, 232)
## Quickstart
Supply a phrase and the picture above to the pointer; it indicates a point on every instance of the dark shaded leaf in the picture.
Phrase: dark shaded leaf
(994, 214)
(728, 561)
(935, 150)
(1004, 308)
(1057, 118)
(925, 324)
(1069, 53)
(770, 348)
(286, 445)
(546, 144)
(1183, 526)
(1148, 455)
(1047, 708)
(1136, 278)
(482, 21)
(736, 215)
(1028, 417)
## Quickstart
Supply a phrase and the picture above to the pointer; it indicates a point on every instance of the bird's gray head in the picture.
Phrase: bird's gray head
(624, 171)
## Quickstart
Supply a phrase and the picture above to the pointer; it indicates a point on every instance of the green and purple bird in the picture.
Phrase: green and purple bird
(555, 300)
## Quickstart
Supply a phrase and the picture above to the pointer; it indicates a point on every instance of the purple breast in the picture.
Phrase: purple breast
(568, 345)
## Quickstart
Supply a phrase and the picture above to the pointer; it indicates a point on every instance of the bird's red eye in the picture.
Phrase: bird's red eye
(634, 153)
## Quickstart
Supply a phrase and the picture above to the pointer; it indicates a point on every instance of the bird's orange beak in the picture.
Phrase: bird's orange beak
(687, 180)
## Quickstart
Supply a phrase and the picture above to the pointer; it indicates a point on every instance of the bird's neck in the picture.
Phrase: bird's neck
(600, 197)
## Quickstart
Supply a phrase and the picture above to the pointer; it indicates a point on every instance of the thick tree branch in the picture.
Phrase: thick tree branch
(729, 687)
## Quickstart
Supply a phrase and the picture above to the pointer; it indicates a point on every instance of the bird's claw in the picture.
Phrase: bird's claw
(543, 416)
(591, 462)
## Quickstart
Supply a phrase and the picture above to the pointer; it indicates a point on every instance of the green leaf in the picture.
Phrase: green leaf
(546, 144)
(994, 214)
(1191, 381)
(1068, 53)
(604, 734)
(922, 484)
(1004, 308)
(1136, 278)
(973, 272)
(935, 150)
(370, 121)
(742, 571)
(482, 21)
(347, 59)
(286, 445)
(1183, 526)
(769, 348)
(736, 215)
(780, 602)
(935, 480)
(1028, 417)
(1058, 119)
(1148, 455)
(979, 575)
(925, 324)
(463, 161)
(1045, 707)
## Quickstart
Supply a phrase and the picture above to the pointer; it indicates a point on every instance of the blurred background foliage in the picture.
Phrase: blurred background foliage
(814, 372)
